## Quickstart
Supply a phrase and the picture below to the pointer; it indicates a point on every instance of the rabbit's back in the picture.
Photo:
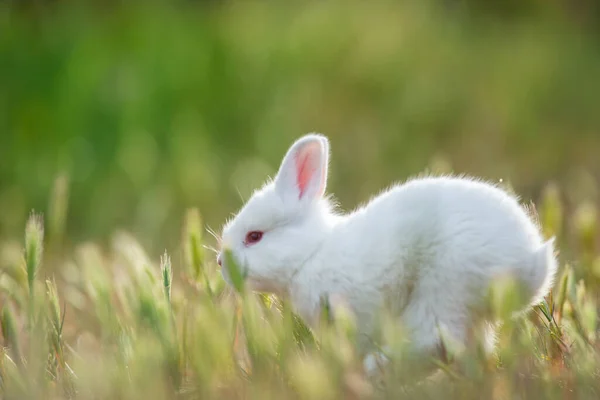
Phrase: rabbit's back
(466, 230)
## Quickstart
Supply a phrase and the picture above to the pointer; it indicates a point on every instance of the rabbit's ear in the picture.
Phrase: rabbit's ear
(303, 171)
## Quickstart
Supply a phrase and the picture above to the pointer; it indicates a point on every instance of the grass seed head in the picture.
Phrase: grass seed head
(167, 274)
(34, 245)
(193, 242)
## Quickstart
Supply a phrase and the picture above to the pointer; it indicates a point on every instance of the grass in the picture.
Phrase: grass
(114, 323)
(132, 128)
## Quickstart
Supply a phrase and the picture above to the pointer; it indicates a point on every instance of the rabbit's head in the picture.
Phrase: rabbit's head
(283, 224)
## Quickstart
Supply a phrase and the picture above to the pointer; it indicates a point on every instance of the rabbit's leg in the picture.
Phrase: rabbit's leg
(430, 316)
(375, 361)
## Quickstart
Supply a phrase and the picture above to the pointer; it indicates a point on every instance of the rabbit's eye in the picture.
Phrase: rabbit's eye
(253, 237)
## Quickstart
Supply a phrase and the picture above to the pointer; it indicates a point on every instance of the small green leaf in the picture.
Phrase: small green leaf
(236, 275)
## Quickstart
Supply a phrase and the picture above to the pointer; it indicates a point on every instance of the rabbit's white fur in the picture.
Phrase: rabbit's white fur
(429, 248)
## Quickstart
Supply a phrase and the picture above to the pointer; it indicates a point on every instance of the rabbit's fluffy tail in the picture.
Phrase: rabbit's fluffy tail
(542, 271)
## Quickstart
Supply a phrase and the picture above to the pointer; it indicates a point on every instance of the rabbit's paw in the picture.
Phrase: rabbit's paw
(374, 363)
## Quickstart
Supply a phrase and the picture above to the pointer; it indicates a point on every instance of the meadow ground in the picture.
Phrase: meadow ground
(132, 130)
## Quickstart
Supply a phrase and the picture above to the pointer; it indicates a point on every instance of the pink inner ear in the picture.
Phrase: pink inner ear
(307, 164)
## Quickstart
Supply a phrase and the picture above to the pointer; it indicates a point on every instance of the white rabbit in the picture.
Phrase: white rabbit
(430, 248)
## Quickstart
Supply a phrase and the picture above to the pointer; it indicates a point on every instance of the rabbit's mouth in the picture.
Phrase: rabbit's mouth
(226, 276)
(253, 283)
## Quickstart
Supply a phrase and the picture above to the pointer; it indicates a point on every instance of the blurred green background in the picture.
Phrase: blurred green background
(139, 110)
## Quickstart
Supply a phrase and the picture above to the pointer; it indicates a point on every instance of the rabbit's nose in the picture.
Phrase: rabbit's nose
(219, 260)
